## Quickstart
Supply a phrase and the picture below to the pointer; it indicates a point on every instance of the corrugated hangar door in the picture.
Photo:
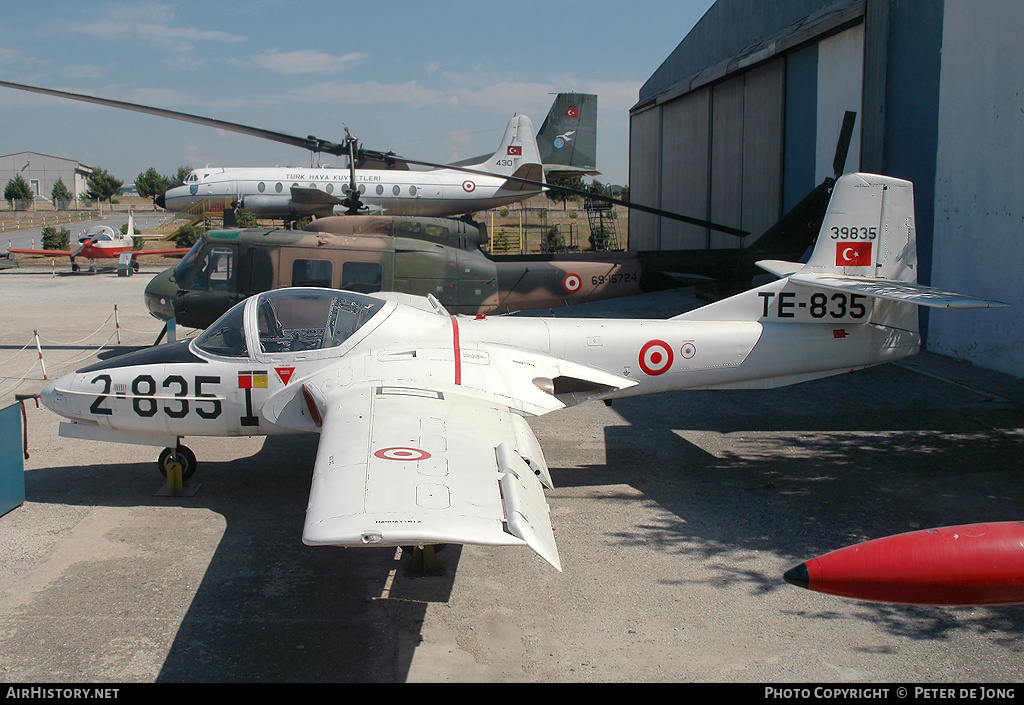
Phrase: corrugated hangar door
(714, 153)
(684, 172)
(763, 110)
(645, 178)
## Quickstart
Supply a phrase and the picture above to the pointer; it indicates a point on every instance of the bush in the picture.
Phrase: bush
(187, 235)
(56, 240)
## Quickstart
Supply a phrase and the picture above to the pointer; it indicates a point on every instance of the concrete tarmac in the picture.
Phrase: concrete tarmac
(675, 515)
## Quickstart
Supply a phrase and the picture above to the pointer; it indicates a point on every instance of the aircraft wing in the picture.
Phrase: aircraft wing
(313, 197)
(400, 466)
(54, 253)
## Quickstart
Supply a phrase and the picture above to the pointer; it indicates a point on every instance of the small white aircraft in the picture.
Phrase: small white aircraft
(280, 191)
(423, 438)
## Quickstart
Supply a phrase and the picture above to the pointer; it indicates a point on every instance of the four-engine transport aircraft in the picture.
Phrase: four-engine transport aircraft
(420, 413)
(102, 242)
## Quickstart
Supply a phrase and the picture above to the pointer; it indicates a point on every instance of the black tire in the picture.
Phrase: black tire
(183, 455)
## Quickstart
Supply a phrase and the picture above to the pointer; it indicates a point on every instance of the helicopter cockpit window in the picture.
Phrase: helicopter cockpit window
(182, 268)
(292, 320)
(215, 270)
(226, 336)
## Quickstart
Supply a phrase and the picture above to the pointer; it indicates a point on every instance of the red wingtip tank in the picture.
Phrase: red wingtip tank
(975, 564)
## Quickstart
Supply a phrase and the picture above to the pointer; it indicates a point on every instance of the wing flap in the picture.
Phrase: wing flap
(401, 466)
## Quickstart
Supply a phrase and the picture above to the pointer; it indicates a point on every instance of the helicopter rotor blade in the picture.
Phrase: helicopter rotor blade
(394, 158)
(316, 144)
(312, 143)
(843, 145)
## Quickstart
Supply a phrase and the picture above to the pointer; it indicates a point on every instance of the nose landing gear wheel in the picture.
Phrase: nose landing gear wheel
(182, 455)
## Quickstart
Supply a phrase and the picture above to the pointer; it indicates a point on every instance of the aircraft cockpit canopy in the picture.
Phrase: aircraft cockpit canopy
(98, 233)
(291, 320)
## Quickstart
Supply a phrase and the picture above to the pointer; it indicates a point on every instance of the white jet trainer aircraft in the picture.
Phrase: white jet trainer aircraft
(421, 414)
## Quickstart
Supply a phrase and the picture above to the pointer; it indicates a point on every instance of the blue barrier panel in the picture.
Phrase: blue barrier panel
(12, 459)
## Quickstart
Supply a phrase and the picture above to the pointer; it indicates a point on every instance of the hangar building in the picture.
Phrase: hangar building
(42, 172)
(741, 121)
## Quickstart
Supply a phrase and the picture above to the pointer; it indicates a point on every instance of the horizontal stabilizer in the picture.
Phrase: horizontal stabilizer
(531, 172)
(910, 292)
(779, 268)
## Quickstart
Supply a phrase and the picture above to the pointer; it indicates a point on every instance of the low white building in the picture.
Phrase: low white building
(41, 172)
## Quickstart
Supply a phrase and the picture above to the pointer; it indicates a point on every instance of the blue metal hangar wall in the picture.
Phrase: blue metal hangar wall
(742, 119)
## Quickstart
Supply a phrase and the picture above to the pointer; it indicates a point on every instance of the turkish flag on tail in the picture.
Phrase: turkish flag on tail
(853, 254)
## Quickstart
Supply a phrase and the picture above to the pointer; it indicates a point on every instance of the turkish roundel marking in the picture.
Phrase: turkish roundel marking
(468, 186)
(656, 357)
(402, 453)
(572, 282)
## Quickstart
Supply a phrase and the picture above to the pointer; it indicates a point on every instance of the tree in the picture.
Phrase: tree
(102, 185)
(17, 189)
(54, 239)
(150, 183)
(60, 195)
(556, 194)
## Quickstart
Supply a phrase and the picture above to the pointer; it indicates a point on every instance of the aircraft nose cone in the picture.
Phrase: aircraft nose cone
(54, 400)
(160, 293)
(798, 575)
(159, 200)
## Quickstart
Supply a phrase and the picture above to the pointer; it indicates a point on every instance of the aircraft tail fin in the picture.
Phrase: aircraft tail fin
(568, 136)
(863, 268)
(518, 149)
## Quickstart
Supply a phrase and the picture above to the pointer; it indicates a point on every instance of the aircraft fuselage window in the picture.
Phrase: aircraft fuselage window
(380, 189)
(261, 187)
(412, 190)
(278, 187)
(364, 277)
(330, 188)
(312, 272)
(396, 190)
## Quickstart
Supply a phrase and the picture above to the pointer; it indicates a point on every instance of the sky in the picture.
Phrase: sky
(435, 81)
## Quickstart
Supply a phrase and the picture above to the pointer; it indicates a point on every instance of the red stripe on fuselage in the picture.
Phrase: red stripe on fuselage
(458, 351)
